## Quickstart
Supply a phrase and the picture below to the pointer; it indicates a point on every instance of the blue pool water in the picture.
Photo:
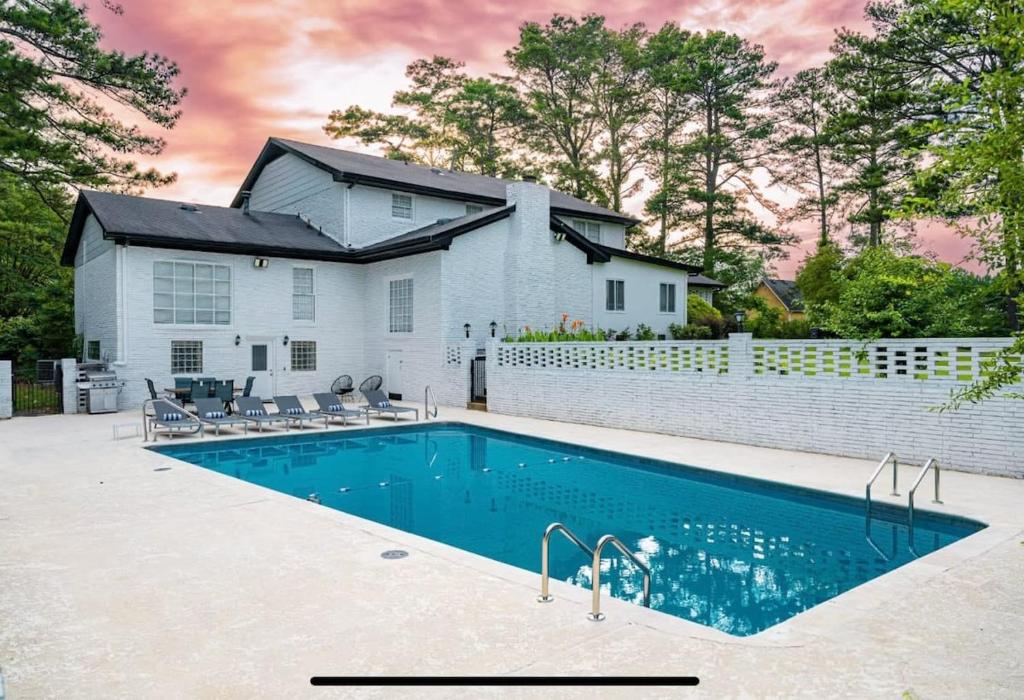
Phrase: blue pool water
(736, 554)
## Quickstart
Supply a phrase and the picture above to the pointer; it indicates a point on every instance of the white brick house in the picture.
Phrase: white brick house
(330, 262)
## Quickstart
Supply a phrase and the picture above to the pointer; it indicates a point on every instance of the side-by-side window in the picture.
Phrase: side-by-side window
(186, 356)
(667, 298)
(473, 209)
(590, 229)
(400, 306)
(615, 295)
(401, 206)
(191, 293)
(303, 294)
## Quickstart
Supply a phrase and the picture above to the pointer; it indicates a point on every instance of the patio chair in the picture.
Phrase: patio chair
(342, 386)
(225, 392)
(330, 406)
(183, 383)
(293, 410)
(247, 391)
(172, 419)
(251, 409)
(211, 412)
(152, 389)
(378, 402)
(371, 383)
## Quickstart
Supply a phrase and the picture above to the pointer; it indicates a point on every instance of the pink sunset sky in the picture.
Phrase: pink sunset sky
(277, 68)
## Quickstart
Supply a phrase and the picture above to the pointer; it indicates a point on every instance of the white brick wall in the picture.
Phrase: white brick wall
(6, 389)
(69, 389)
(857, 416)
(96, 290)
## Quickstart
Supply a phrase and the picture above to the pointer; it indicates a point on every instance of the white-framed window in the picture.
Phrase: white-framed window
(667, 298)
(401, 206)
(186, 356)
(303, 294)
(473, 209)
(400, 305)
(92, 350)
(191, 293)
(303, 355)
(590, 229)
(615, 295)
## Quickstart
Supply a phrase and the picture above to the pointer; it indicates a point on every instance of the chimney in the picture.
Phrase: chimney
(245, 201)
(530, 267)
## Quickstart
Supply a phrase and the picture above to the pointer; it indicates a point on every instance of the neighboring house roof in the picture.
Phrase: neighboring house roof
(699, 280)
(786, 292)
(374, 171)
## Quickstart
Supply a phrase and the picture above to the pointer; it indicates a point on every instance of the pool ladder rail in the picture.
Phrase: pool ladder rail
(932, 464)
(594, 555)
(429, 398)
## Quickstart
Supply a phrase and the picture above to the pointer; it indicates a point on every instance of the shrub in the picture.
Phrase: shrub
(644, 332)
(691, 331)
(701, 313)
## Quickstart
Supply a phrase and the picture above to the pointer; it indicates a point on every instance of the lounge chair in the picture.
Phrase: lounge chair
(378, 403)
(172, 419)
(331, 407)
(211, 412)
(251, 409)
(293, 410)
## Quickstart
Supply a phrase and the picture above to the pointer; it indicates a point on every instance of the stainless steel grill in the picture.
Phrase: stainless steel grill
(102, 387)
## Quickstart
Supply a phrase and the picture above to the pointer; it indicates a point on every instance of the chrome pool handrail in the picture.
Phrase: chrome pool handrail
(428, 392)
(930, 464)
(545, 544)
(889, 456)
(595, 614)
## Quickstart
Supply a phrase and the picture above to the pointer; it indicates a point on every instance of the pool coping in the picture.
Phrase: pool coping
(800, 629)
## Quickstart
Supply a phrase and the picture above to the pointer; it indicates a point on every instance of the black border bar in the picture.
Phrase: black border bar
(506, 681)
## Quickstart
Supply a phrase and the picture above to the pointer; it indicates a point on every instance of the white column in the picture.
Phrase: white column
(69, 390)
(741, 355)
(6, 387)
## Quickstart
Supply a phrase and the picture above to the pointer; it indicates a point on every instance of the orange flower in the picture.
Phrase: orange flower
(565, 317)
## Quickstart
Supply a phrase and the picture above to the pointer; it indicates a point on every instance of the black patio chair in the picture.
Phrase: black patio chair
(152, 389)
(225, 391)
(371, 383)
(247, 391)
(183, 383)
(342, 386)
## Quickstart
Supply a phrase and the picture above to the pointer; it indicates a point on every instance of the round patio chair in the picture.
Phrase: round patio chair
(342, 386)
(371, 383)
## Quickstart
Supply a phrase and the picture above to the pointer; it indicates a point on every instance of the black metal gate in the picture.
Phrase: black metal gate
(478, 378)
(37, 390)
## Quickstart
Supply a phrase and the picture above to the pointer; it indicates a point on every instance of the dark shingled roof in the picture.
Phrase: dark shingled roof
(787, 292)
(699, 280)
(348, 166)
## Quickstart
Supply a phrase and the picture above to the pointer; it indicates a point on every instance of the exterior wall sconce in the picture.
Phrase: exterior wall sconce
(466, 327)
(261, 263)
(286, 340)
(559, 236)
(493, 325)
(740, 317)
(238, 340)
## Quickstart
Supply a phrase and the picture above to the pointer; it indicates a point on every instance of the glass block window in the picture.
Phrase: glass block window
(92, 350)
(303, 355)
(473, 209)
(615, 295)
(186, 356)
(400, 306)
(303, 298)
(590, 229)
(401, 206)
(667, 298)
(191, 293)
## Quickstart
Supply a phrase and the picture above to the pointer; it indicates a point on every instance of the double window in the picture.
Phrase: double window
(667, 299)
(590, 229)
(615, 295)
(303, 355)
(92, 350)
(473, 209)
(191, 293)
(186, 356)
(401, 206)
(400, 306)
(303, 294)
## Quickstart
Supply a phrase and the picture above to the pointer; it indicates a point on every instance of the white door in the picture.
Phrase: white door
(262, 368)
(393, 375)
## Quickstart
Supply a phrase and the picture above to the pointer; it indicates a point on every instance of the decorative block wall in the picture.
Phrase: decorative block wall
(834, 397)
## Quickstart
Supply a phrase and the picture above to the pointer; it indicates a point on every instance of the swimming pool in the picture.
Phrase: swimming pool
(729, 552)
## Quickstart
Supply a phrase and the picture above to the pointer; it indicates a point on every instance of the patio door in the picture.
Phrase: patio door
(262, 368)
(393, 378)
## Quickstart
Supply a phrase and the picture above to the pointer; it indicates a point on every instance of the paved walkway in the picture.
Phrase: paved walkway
(117, 580)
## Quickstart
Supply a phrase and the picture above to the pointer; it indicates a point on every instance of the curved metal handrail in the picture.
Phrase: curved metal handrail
(878, 470)
(544, 596)
(428, 392)
(595, 614)
(931, 463)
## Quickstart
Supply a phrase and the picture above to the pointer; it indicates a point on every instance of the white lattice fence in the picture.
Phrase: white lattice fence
(659, 356)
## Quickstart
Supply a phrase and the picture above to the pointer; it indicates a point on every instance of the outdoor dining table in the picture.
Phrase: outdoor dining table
(180, 391)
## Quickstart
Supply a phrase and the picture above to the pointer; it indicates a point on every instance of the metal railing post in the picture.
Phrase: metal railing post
(545, 596)
(595, 614)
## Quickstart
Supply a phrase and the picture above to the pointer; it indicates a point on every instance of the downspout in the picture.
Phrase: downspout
(122, 290)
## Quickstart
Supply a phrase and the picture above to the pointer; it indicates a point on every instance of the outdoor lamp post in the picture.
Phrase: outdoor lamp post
(740, 317)
(465, 327)
(494, 327)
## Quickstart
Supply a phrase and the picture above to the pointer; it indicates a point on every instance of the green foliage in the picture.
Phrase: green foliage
(701, 313)
(691, 331)
(885, 295)
(768, 323)
(57, 84)
(997, 373)
(644, 332)
(818, 278)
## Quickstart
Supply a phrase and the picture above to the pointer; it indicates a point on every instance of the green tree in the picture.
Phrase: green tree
(820, 277)
(556, 67)
(487, 117)
(56, 96)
